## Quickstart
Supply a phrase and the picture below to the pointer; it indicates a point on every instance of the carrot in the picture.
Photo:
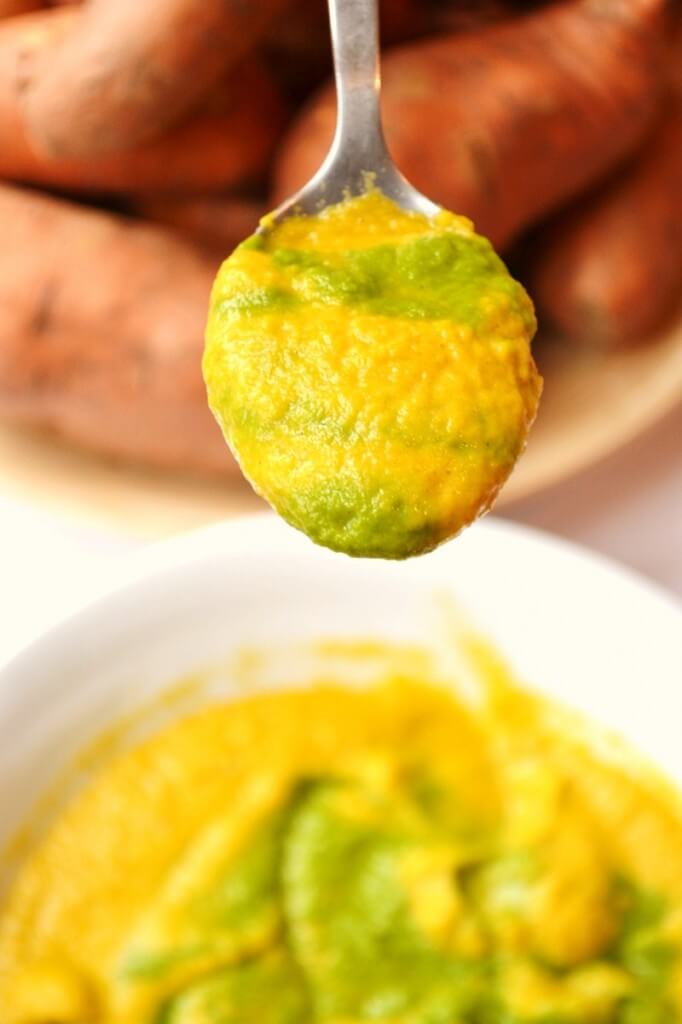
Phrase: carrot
(102, 332)
(127, 71)
(507, 122)
(217, 148)
(608, 272)
(220, 221)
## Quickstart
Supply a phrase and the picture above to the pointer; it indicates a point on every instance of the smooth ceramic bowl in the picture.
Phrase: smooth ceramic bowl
(570, 625)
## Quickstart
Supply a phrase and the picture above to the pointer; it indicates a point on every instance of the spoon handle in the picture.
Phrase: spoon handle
(358, 157)
(359, 139)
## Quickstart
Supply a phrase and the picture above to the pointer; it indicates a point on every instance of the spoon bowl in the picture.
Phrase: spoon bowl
(358, 158)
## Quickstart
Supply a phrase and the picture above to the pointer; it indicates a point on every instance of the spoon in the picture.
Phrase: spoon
(358, 158)
(377, 394)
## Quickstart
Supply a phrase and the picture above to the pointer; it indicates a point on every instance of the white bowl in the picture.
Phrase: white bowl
(570, 625)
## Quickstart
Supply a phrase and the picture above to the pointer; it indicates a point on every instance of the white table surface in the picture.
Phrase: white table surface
(628, 507)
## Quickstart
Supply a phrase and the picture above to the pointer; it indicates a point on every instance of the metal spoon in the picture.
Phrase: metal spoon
(358, 156)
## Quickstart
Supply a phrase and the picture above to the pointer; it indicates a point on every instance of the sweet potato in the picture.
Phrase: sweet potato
(673, 56)
(298, 46)
(128, 71)
(8, 8)
(217, 221)
(505, 123)
(455, 15)
(102, 332)
(608, 271)
(214, 150)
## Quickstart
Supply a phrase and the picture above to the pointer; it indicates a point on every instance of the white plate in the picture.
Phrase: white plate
(570, 624)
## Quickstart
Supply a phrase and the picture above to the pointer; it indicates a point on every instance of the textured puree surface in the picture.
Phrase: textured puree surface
(336, 855)
(371, 370)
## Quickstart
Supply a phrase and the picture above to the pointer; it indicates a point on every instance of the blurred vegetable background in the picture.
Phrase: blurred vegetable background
(140, 142)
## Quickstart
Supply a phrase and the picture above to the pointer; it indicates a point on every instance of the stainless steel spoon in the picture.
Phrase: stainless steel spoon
(358, 154)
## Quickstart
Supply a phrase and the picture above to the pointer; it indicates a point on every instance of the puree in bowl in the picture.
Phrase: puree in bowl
(371, 371)
(336, 855)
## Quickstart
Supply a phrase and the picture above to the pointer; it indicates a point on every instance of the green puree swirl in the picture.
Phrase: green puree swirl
(430, 278)
(313, 922)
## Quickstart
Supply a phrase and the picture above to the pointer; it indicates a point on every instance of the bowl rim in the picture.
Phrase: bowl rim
(47, 696)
